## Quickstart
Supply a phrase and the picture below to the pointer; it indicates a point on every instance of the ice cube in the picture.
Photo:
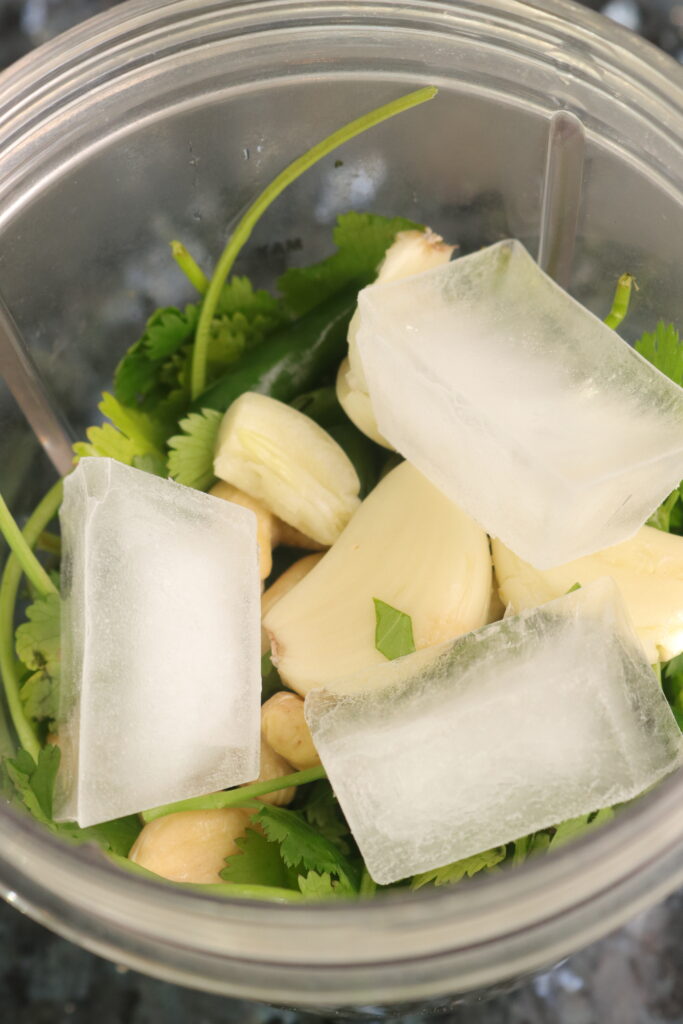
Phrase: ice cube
(547, 715)
(520, 405)
(161, 643)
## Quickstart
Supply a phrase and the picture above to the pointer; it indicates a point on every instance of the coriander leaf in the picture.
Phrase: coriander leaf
(154, 375)
(316, 886)
(130, 435)
(43, 778)
(672, 682)
(136, 376)
(238, 296)
(323, 812)
(32, 784)
(661, 518)
(664, 349)
(258, 863)
(576, 827)
(167, 330)
(302, 846)
(116, 836)
(393, 631)
(459, 869)
(190, 460)
(38, 647)
(537, 842)
(362, 240)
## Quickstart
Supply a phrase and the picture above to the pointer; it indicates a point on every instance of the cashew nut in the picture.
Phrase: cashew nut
(284, 727)
(190, 846)
(274, 767)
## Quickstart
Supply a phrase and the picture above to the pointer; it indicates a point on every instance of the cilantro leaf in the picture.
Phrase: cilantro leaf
(38, 648)
(258, 863)
(459, 869)
(316, 886)
(664, 349)
(137, 376)
(131, 435)
(154, 375)
(263, 311)
(537, 842)
(362, 240)
(31, 784)
(302, 846)
(393, 631)
(323, 812)
(576, 827)
(190, 459)
(672, 682)
(662, 517)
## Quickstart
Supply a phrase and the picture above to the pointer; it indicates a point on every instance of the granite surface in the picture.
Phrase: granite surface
(632, 977)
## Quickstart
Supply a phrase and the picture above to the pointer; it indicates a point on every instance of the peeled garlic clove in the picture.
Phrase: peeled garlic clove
(283, 584)
(647, 568)
(411, 252)
(357, 406)
(282, 458)
(407, 545)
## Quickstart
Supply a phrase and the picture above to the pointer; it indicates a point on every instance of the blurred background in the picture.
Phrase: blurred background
(632, 977)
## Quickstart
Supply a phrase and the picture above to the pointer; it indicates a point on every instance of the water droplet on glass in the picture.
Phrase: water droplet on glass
(245, 153)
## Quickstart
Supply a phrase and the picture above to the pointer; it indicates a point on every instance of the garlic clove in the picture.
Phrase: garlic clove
(407, 545)
(290, 464)
(647, 568)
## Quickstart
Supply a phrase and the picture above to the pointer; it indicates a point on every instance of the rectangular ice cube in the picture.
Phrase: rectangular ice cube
(161, 643)
(512, 728)
(520, 405)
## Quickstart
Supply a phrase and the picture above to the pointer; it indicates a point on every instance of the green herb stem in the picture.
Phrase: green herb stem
(231, 890)
(9, 588)
(236, 797)
(247, 222)
(50, 543)
(190, 268)
(23, 553)
(622, 298)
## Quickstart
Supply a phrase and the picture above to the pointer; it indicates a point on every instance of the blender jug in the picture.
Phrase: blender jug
(157, 121)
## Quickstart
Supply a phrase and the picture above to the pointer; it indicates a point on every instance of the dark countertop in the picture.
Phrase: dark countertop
(632, 977)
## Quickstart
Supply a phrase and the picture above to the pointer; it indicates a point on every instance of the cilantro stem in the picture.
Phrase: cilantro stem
(622, 297)
(229, 889)
(236, 797)
(247, 222)
(23, 553)
(50, 543)
(190, 268)
(9, 588)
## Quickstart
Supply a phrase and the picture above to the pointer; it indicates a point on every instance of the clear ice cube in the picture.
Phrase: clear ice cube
(520, 405)
(161, 643)
(544, 716)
